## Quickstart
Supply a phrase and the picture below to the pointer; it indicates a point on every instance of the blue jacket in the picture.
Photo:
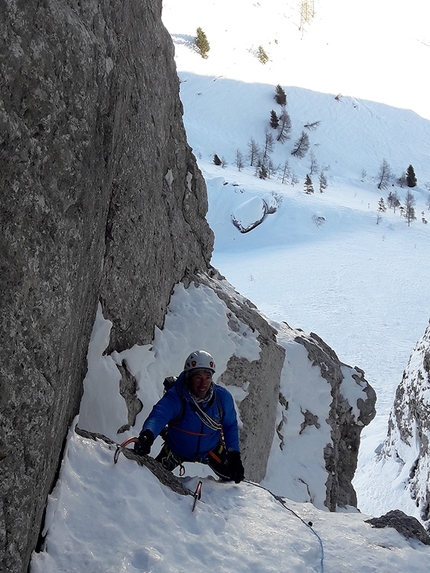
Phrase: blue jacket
(191, 438)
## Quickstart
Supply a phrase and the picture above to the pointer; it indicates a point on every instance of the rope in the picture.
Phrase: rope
(285, 506)
(205, 418)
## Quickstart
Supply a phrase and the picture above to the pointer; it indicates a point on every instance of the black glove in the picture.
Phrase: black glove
(143, 446)
(235, 466)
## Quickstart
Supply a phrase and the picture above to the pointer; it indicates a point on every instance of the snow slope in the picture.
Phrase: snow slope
(109, 518)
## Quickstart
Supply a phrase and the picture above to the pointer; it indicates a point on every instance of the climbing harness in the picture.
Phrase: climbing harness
(285, 506)
(172, 460)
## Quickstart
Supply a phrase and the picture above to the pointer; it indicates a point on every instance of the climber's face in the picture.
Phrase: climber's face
(200, 381)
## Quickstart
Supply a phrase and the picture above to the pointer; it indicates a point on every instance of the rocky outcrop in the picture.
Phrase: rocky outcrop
(253, 212)
(101, 198)
(346, 420)
(163, 476)
(408, 439)
(323, 406)
(408, 526)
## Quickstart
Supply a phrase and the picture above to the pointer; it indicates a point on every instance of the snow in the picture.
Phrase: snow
(111, 518)
(360, 283)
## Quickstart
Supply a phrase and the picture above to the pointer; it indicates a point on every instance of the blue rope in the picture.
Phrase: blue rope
(285, 506)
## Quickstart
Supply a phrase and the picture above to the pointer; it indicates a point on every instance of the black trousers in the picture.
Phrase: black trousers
(216, 460)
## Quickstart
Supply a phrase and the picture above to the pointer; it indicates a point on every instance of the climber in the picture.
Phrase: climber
(199, 419)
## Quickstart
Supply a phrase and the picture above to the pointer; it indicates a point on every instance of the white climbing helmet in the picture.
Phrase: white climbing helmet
(199, 359)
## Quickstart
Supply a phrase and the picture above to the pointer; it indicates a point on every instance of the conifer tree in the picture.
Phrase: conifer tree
(411, 179)
(323, 181)
(280, 96)
(202, 43)
(309, 187)
(274, 120)
(381, 205)
(262, 171)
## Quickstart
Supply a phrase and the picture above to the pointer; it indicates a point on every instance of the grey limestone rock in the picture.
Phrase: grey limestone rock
(341, 453)
(101, 199)
(408, 438)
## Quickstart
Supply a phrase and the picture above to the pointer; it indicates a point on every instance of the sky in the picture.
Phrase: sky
(360, 280)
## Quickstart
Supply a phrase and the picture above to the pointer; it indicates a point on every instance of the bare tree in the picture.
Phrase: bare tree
(254, 152)
(323, 181)
(409, 208)
(393, 200)
(301, 146)
(313, 165)
(307, 12)
(312, 126)
(294, 179)
(384, 175)
(286, 172)
(239, 160)
(268, 145)
(402, 180)
(284, 123)
(272, 169)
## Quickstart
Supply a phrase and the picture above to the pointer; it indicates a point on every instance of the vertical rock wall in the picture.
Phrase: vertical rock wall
(100, 198)
(407, 445)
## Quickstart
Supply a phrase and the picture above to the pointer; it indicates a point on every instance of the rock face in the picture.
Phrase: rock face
(100, 199)
(323, 407)
(408, 438)
(346, 419)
